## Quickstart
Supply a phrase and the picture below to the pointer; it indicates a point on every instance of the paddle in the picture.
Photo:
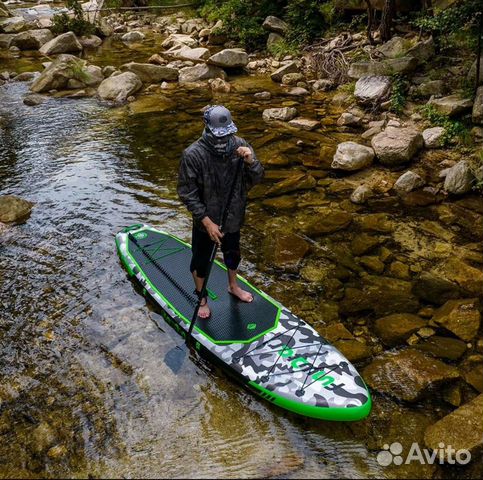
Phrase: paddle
(175, 357)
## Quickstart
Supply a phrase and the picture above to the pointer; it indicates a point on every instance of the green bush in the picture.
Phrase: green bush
(398, 94)
(63, 23)
(454, 130)
(243, 19)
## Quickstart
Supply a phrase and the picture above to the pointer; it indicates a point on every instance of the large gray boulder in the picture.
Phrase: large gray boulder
(179, 39)
(283, 114)
(90, 41)
(149, 73)
(477, 115)
(119, 87)
(387, 67)
(351, 156)
(14, 25)
(289, 67)
(133, 37)
(451, 105)
(372, 89)
(57, 74)
(275, 24)
(183, 52)
(32, 39)
(229, 58)
(200, 72)
(395, 146)
(459, 178)
(65, 43)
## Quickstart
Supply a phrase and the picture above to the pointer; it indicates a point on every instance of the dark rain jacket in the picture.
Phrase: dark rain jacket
(205, 179)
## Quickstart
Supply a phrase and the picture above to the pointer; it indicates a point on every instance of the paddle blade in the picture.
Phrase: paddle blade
(175, 358)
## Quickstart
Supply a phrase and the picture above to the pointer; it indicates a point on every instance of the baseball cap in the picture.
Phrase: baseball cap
(218, 119)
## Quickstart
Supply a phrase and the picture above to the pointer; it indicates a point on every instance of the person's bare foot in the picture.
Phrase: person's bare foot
(204, 310)
(241, 294)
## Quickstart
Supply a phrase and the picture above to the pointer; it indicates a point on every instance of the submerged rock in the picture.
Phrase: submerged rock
(285, 250)
(65, 43)
(395, 146)
(408, 375)
(443, 347)
(461, 429)
(323, 220)
(460, 317)
(382, 295)
(351, 156)
(432, 288)
(14, 209)
(119, 87)
(397, 328)
(294, 183)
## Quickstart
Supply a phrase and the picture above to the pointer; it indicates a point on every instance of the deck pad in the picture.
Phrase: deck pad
(273, 352)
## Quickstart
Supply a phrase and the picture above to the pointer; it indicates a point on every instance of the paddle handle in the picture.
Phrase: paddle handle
(214, 250)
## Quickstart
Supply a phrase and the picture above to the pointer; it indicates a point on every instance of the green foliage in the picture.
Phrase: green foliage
(457, 21)
(63, 23)
(454, 130)
(398, 94)
(243, 19)
(282, 48)
(77, 69)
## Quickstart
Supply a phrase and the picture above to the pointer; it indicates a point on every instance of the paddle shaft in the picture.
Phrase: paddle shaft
(215, 249)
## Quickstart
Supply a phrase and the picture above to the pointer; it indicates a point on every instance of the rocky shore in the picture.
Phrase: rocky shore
(402, 299)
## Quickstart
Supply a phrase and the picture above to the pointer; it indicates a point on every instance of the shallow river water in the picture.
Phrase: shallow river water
(83, 382)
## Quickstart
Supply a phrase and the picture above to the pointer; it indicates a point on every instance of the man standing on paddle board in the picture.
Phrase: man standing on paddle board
(207, 171)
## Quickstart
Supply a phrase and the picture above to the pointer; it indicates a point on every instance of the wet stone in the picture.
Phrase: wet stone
(461, 429)
(14, 209)
(408, 374)
(285, 250)
(397, 328)
(443, 347)
(323, 220)
(364, 243)
(460, 317)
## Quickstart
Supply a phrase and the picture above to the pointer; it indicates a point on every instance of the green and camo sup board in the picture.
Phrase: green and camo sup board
(266, 347)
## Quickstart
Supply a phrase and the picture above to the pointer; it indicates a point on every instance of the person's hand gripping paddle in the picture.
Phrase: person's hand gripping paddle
(175, 357)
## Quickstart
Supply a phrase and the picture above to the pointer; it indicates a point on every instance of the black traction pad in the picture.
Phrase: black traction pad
(165, 263)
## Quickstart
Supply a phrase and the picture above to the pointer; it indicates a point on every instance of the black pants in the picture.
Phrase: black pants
(202, 246)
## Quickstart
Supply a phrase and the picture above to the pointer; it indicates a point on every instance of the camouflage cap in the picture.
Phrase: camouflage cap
(218, 120)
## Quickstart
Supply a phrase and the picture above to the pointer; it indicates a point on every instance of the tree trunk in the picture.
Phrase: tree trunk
(386, 20)
(370, 21)
(478, 53)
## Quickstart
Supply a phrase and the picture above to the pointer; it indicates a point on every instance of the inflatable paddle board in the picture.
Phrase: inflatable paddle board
(267, 348)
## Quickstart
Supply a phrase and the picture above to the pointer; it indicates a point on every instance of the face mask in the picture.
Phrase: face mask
(221, 145)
